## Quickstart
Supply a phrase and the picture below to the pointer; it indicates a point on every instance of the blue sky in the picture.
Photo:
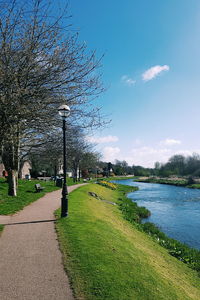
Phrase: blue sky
(152, 70)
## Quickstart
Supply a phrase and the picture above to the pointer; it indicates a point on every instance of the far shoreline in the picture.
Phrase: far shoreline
(182, 182)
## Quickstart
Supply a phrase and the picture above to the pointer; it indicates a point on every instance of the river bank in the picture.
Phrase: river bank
(175, 248)
(171, 181)
(109, 257)
(182, 252)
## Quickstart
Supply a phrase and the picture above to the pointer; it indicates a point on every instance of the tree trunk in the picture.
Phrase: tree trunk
(79, 174)
(75, 175)
(55, 172)
(10, 158)
(74, 171)
(12, 182)
(16, 146)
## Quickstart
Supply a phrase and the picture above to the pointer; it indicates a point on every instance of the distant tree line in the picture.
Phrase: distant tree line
(121, 168)
(179, 165)
(84, 162)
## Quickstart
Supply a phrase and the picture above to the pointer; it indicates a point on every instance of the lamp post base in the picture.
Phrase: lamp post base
(64, 214)
(64, 202)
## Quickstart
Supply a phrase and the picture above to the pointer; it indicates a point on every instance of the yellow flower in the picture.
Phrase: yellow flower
(108, 184)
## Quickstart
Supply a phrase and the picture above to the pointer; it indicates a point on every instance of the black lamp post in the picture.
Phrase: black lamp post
(64, 112)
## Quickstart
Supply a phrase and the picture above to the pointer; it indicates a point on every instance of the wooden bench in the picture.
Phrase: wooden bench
(38, 187)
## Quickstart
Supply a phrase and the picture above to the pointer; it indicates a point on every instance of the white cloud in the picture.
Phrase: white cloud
(127, 80)
(103, 139)
(187, 152)
(146, 156)
(110, 153)
(153, 72)
(137, 142)
(170, 142)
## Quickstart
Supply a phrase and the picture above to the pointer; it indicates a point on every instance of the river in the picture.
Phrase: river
(175, 210)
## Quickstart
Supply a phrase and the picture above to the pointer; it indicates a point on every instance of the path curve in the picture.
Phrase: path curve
(30, 260)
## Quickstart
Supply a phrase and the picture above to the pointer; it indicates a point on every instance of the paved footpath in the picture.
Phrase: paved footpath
(30, 260)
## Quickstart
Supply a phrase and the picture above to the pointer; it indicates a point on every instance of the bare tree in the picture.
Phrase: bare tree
(42, 65)
(89, 162)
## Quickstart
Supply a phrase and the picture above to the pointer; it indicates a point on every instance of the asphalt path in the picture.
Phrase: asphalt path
(30, 260)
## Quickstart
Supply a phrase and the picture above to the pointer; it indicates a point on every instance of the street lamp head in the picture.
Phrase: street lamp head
(64, 111)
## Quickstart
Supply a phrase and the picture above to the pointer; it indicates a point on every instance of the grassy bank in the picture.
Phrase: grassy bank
(184, 253)
(120, 177)
(25, 195)
(117, 178)
(107, 257)
(194, 186)
(182, 182)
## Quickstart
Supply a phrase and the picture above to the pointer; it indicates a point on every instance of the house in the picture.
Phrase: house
(24, 172)
(25, 169)
(60, 171)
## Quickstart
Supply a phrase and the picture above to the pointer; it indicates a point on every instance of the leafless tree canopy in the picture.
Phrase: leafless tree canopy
(42, 65)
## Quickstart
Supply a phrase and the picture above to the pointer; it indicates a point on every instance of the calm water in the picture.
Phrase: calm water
(176, 210)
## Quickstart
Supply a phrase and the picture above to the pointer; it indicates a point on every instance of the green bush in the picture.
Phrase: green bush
(131, 211)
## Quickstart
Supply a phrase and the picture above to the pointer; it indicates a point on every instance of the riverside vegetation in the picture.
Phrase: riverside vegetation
(108, 255)
(178, 182)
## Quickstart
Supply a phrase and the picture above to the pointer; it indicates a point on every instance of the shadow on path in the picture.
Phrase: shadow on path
(30, 222)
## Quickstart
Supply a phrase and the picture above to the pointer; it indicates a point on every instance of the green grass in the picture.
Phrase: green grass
(1, 228)
(194, 186)
(25, 195)
(106, 257)
(131, 211)
(184, 253)
(71, 182)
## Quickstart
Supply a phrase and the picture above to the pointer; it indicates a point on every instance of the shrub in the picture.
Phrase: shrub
(107, 184)
(132, 212)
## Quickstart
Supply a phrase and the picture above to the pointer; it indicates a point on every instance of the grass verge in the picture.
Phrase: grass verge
(106, 257)
(25, 195)
(1, 228)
